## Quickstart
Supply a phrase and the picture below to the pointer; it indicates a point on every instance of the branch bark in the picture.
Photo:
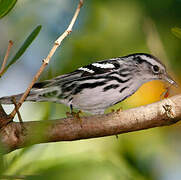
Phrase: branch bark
(162, 113)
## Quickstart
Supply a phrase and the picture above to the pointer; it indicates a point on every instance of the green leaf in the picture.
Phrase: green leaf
(6, 6)
(25, 45)
(177, 32)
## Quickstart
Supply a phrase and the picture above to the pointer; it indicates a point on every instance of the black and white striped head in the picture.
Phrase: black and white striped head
(147, 67)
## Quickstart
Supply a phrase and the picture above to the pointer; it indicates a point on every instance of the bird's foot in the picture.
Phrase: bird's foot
(69, 115)
(75, 115)
(117, 110)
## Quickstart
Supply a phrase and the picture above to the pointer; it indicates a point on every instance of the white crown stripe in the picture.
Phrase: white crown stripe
(149, 60)
(104, 66)
(86, 69)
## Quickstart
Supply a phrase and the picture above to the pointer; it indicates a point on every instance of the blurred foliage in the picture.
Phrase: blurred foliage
(177, 32)
(6, 6)
(104, 29)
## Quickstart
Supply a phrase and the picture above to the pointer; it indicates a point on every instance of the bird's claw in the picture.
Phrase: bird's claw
(75, 115)
(117, 110)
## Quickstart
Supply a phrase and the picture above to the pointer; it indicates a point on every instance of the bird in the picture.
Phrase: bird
(95, 87)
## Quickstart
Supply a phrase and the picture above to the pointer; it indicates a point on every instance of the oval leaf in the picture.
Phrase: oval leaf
(6, 6)
(25, 45)
(177, 32)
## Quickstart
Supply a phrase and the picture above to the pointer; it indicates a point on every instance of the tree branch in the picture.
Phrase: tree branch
(162, 113)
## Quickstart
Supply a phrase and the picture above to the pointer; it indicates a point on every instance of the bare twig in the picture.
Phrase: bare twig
(6, 57)
(162, 113)
(47, 59)
(17, 110)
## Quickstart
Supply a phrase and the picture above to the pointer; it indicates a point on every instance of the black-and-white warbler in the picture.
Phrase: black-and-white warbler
(99, 85)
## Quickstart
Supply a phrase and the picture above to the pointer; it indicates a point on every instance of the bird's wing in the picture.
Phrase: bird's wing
(92, 70)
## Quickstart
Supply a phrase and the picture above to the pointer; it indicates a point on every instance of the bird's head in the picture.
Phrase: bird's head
(148, 68)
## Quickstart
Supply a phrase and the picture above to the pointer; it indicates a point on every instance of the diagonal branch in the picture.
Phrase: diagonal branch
(162, 113)
(47, 59)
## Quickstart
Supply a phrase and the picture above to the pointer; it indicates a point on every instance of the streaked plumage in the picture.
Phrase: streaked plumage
(99, 85)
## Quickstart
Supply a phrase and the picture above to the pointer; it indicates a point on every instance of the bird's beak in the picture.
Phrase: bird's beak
(169, 80)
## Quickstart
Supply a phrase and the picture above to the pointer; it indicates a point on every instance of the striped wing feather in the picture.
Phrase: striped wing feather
(88, 71)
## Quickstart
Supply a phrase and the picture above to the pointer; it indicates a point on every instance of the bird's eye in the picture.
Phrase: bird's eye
(156, 69)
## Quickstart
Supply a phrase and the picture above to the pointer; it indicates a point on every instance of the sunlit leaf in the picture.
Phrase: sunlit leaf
(177, 32)
(6, 6)
(25, 45)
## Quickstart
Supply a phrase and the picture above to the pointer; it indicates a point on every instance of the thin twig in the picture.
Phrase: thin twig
(17, 110)
(47, 59)
(6, 57)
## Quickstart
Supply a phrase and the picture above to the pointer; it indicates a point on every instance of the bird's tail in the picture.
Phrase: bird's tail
(36, 95)
(33, 96)
(41, 91)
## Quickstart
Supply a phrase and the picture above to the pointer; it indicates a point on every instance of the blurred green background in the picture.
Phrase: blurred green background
(104, 29)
